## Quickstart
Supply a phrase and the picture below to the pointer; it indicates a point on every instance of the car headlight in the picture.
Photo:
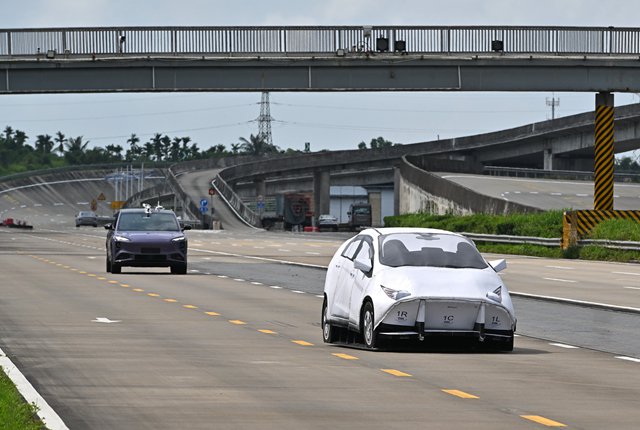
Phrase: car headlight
(395, 294)
(121, 238)
(178, 239)
(495, 295)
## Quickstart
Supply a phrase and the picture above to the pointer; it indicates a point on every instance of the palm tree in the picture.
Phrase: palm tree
(134, 151)
(60, 139)
(256, 145)
(44, 144)
(76, 149)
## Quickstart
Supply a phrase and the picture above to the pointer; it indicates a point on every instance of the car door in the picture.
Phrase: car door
(360, 280)
(344, 269)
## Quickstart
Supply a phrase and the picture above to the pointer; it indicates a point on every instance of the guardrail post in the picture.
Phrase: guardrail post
(569, 230)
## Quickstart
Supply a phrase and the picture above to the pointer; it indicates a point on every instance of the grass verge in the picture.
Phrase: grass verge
(545, 224)
(15, 413)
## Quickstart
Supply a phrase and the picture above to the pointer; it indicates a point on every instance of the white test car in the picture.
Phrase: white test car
(415, 282)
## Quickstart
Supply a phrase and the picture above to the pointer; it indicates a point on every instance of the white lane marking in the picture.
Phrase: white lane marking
(556, 194)
(517, 192)
(632, 288)
(257, 283)
(320, 296)
(105, 320)
(194, 271)
(48, 416)
(533, 192)
(275, 287)
(312, 253)
(579, 302)
(635, 360)
(222, 276)
(58, 204)
(298, 292)
(560, 280)
(284, 250)
(582, 195)
(238, 279)
(560, 267)
(37, 205)
(92, 258)
(627, 273)
(258, 247)
(562, 345)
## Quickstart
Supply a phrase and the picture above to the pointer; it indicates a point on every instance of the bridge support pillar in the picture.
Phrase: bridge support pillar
(321, 193)
(548, 159)
(604, 158)
(261, 187)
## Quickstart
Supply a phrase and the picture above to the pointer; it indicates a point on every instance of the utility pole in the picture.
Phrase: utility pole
(553, 102)
(264, 120)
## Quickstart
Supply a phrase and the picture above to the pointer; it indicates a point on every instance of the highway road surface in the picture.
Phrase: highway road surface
(236, 343)
(546, 193)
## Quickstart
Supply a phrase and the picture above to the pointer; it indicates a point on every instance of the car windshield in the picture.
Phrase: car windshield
(429, 249)
(140, 221)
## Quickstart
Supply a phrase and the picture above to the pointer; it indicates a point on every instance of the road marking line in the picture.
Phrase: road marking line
(189, 306)
(275, 287)
(560, 267)
(43, 410)
(153, 295)
(257, 283)
(114, 282)
(267, 331)
(461, 394)
(312, 253)
(237, 322)
(635, 360)
(239, 279)
(298, 292)
(138, 290)
(560, 280)
(222, 276)
(395, 372)
(170, 300)
(542, 420)
(627, 273)
(345, 356)
(213, 314)
(284, 250)
(102, 278)
(302, 342)
(632, 288)
(125, 285)
(93, 275)
(562, 345)
(320, 296)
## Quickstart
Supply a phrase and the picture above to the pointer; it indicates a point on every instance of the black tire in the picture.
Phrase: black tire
(179, 269)
(108, 265)
(369, 334)
(330, 333)
(116, 268)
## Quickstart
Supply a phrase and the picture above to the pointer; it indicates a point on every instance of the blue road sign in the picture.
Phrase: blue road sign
(203, 209)
(204, 203)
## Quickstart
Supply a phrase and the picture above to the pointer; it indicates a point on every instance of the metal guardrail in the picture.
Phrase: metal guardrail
(554, 241)
(325, 39)
(564, 174)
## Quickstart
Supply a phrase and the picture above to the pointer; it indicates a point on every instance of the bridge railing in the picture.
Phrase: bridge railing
(317, 40)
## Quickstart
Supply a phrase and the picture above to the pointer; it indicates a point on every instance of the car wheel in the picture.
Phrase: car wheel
(116, 268)
(179, 269)
(329, 332)
(108, 265)
(368, 332)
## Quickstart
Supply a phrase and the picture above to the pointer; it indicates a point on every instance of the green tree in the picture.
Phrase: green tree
(134, 152)
(60, 140)
(76, 149)
(256, 145)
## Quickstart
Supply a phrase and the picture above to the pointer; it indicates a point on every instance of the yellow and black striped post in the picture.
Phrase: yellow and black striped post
(603, 169)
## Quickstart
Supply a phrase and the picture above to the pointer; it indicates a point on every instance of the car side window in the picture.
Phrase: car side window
(350, 251)
(365, 252)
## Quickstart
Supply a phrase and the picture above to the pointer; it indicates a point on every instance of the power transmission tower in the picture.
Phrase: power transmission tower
(264, 120)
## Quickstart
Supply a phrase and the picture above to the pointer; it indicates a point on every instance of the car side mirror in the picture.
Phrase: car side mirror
(186, 227)
(498, 265)
(363, 265)
(107, 226)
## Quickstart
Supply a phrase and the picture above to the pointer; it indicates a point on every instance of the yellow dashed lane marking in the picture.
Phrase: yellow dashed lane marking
(542, 420)
(138, 290)
(125, 285)
(102, 278)
(153, 295)
(345, 356)
(237, 322)
(461, 394)
(302, 342)
(395, 372)
(268, 331)
(170, 300)
(82, 272)
(92, 275)
(113, 282)
(213, 314)
(190, 306)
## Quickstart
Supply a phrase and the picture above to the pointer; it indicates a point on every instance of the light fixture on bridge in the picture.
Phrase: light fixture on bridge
(51, 54)
(400, 46)
(382, 44)
(340, 52)
(497, 45)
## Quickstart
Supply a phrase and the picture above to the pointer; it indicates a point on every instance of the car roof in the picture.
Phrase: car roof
(397, 230)
(142, 210)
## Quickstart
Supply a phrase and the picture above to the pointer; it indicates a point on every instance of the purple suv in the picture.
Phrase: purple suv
(146, 238)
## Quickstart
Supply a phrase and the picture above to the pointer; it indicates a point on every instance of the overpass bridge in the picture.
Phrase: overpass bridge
(351, 58)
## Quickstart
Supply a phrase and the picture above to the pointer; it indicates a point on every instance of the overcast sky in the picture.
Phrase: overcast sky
(326, 120)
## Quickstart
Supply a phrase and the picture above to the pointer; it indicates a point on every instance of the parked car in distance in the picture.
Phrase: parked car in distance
(147, 237)
(86, 218)
(401, 283)
(327, 222)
